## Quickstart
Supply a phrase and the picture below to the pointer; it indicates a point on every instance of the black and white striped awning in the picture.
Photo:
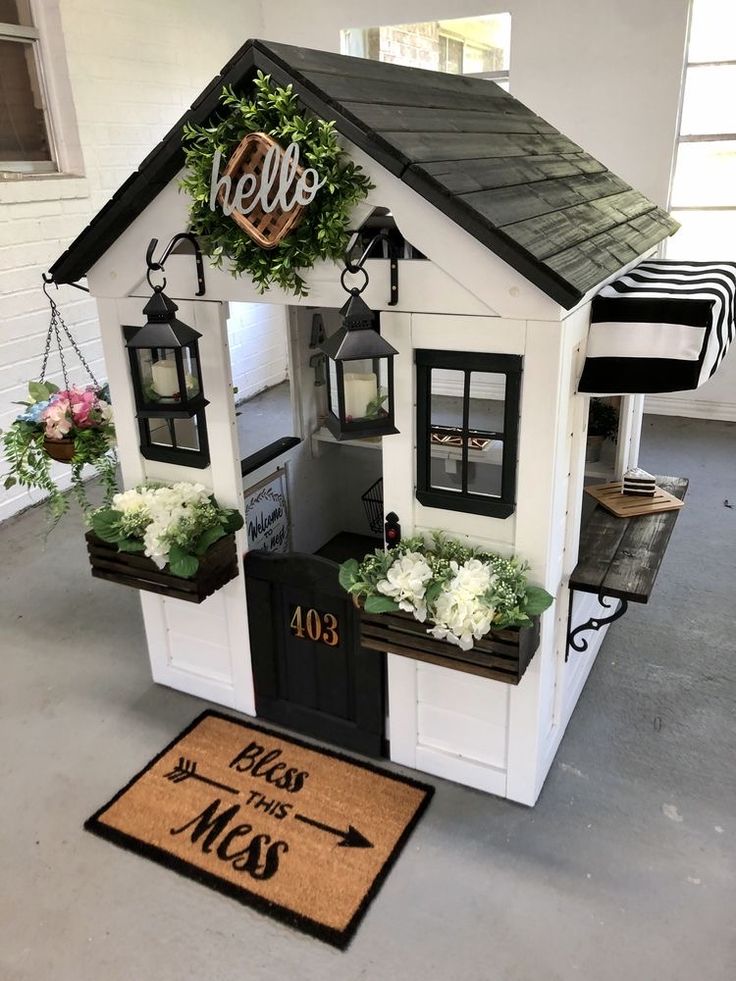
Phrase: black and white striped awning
(663, 327)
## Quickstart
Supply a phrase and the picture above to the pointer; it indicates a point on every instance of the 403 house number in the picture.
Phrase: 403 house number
(322, 628)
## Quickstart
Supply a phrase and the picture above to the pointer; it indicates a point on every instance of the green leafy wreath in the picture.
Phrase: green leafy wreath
(323, 232)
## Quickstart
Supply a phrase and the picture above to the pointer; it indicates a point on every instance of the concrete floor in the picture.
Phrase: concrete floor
(264, 418)
(623, 872)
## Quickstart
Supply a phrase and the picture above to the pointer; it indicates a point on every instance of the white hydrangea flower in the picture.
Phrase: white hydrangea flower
(164, 508)
(406, 583)
(128, 500)
(460, 614)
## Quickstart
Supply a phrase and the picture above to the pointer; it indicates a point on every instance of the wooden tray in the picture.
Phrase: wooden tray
(609, 496)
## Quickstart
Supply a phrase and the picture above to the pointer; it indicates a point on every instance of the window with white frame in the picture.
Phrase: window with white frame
(476, 46)
(26, 140)
(703, 197)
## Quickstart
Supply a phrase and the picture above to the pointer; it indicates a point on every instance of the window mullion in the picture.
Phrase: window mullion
(466, 431)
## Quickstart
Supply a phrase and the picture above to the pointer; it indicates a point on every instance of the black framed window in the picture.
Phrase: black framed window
(468, 430)
(182, 441)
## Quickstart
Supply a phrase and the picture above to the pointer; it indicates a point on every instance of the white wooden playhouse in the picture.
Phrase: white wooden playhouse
(499, 233)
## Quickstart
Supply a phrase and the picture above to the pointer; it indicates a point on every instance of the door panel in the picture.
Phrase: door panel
(310, 673)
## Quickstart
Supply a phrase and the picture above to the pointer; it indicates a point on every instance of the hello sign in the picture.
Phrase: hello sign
(263, 188)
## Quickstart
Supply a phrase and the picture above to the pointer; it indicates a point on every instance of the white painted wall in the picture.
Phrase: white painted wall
(259, 353)
(606, 72)
(132, 69)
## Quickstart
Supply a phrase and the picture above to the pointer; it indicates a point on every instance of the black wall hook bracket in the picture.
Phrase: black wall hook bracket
(158, 266)
(354, 267)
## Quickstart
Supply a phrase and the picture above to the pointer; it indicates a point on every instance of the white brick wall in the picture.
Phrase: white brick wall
(258, 347)
(134, 67)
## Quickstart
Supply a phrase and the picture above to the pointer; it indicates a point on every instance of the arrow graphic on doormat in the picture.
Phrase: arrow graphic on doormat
(187, 770)
(352, 838)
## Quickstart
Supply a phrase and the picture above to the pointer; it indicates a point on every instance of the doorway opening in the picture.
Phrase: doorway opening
(310, 672)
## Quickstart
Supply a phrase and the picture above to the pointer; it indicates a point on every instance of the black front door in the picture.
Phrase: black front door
(310, 673)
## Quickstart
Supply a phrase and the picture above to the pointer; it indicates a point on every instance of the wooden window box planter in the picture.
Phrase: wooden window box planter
(502, 655)
(216, 567)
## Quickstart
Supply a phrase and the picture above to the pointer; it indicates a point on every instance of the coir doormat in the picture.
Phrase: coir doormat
(304, 834)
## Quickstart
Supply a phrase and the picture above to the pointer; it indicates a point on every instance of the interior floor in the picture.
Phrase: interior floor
(625, 868)
(264, 418)
(348, 546)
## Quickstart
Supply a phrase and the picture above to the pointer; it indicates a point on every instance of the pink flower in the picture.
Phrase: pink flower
(84, 405)
(56, 418)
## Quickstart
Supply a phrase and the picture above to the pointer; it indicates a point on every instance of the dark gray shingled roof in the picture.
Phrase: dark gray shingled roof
(498, 170)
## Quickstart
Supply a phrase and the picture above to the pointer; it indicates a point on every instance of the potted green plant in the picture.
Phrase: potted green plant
(175, 540)
(602, 425)
(436, 597)
(72, 426)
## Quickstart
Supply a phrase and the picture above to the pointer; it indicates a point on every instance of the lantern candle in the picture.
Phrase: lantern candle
(361, 388)
(164, 378)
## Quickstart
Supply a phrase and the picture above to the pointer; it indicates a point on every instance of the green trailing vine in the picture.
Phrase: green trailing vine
(323, 232)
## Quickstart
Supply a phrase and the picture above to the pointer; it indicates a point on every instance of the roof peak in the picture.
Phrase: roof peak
(505, 175)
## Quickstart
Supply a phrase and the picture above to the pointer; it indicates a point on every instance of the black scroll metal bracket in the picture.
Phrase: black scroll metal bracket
(158, 265)
(580, 644)
(357, 266)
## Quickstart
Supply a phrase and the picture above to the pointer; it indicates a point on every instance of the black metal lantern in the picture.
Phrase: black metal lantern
(167, 382)
(360, 376)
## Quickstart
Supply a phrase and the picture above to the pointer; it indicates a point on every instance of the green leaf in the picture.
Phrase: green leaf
(232, 522)
(106, 525)
(39, 391)
(130, 545)
(348, 573)
(9, 482)
(536, 600)
(433, 593)
(208, 538)
(182, 563)
(380, 604)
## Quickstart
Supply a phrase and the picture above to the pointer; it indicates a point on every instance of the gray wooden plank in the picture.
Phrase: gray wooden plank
(588, 263)
(309, 62)
(420, 147)
(420, 119)
(621, 557)
(549, 234)
(519, 202)
(635, 566)
(468, 176)
(386, 92)
(599, 539)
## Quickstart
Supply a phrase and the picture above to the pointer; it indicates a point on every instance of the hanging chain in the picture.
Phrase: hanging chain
(57, 321)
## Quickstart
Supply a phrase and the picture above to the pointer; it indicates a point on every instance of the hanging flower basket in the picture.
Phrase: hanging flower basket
(70, 425)
(173, 540)
(61, 450)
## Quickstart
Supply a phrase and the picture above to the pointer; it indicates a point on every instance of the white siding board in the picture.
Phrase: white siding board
(467, 772)
(402, 709)
(480, 698)
(461, 734)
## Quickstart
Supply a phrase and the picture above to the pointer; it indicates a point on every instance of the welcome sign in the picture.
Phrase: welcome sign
(267, 514)
(303, 834)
